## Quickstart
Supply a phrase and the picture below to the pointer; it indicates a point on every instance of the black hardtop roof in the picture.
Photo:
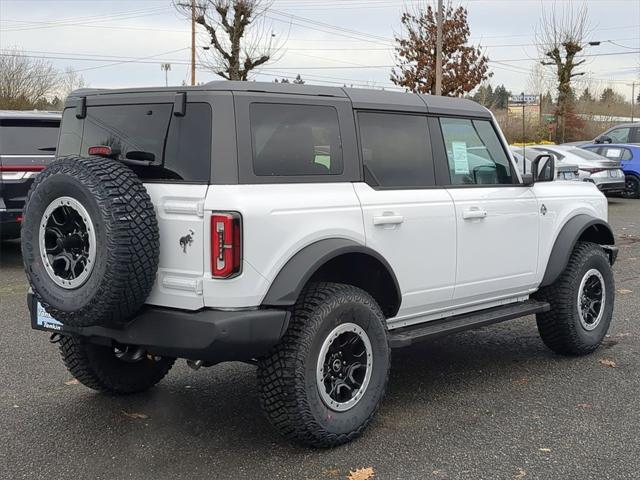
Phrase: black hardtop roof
(29, 114)
(361, 98)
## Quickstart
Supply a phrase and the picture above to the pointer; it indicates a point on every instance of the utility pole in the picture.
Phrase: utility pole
(193, 42)
(439, 49)
(633, 98)
(166, 67)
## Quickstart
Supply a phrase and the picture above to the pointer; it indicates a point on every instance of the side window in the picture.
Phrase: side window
(613, 153)
(70, 134)
(396, 150)
(187, 155)
(295, 140)
(619, 135)
(474, 153)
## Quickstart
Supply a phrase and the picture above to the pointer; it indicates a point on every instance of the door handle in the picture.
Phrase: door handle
(388, 220)
(474, 212)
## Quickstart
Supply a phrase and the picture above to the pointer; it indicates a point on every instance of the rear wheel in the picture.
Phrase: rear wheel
(581, 303)
(632, 189)
(116, 370)
(324, 381)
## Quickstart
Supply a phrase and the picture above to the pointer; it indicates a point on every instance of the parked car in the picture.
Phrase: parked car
(607, 175)
(623, 133)
(629, 156)
(27, 145)
(525, 156)
(304, 229)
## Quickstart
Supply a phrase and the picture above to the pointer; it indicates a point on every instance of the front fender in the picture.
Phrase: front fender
(593, 229)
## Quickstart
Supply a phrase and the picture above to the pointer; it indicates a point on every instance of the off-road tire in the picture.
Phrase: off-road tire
(632, 187)
(560, 328)
(289, 394)
(97, 367)
(127, 241)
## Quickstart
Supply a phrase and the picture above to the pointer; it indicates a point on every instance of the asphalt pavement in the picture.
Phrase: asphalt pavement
(486, 404)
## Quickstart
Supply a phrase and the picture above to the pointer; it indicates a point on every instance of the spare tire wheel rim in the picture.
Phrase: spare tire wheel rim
(591, 299)
(344, 367)
(67, 242)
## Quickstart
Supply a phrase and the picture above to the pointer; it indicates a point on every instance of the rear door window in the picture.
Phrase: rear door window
(474, 153)
(132, 131)
(28, 137)
(155, 143)
(396, 150)
(295, 140)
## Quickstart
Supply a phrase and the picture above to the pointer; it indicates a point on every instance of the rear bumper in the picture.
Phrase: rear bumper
(210, 335)
(611, 187)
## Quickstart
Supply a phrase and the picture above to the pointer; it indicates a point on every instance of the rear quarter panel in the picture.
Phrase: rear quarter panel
(278, 221)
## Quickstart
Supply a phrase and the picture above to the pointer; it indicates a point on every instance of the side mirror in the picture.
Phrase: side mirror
(603, 139)
(543, 168)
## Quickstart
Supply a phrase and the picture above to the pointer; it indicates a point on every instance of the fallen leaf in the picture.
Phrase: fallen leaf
(521, 473)
(135, 415)
(585, 405)
(73, 381)
(332, 472)
(361, 474)
(545, 450)
(522, 381)
(624, 291)
(607, 362)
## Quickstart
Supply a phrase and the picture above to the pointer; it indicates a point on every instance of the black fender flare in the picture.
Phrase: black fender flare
(567, 239)
(295, 274)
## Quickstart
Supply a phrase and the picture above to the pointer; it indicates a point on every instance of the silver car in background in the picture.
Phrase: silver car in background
(525, 155)
(606, 174)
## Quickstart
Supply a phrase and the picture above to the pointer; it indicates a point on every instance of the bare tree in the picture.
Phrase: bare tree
(25, 81)
(238, 37)
(561, 37)
(70, 81)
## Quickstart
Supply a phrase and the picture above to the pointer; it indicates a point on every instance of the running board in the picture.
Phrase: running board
(403, 337)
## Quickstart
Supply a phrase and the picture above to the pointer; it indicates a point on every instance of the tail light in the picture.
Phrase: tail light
(226, 244)
(593, 170)
(19, 172)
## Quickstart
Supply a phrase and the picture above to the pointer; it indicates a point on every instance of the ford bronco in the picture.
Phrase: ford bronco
(308, 230)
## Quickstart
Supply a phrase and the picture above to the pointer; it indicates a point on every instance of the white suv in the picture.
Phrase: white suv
(306, 229)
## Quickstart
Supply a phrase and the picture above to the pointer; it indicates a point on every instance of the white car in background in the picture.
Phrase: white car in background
(523, 157)
(606, 174)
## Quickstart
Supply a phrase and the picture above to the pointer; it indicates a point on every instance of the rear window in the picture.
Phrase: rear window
(28, 137)
(155, 143)
(295, 140)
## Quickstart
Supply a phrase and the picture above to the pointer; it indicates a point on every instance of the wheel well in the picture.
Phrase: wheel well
(597, 233)
(365, 272)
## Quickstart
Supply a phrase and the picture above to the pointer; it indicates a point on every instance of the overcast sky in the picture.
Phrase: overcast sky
(326, 41)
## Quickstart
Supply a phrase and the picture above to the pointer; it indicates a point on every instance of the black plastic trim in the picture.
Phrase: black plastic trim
(566, 241)
(403, 337)
(210, 335)
(292, 278)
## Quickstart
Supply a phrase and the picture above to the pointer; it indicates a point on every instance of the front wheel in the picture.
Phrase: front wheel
(323, 383)
(581, 302)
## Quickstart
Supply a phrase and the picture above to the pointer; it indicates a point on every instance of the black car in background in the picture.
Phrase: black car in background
(28, 142)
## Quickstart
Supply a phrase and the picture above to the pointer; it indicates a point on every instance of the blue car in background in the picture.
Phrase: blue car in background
(629, 156)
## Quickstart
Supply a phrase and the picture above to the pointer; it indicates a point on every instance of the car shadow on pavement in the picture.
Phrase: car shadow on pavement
(216, 411)
(10, 255)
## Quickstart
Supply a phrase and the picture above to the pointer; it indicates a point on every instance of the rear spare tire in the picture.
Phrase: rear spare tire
(90, 241)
